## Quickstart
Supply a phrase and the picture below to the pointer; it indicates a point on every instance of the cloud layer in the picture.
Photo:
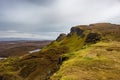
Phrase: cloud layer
(48, 18)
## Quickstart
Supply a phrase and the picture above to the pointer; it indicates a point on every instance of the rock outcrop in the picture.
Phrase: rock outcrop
(85, 30)
(93, 38)
(79, 30)
(61, 37)
(105, 31)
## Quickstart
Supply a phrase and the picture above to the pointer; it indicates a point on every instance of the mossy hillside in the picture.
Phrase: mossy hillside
(94, 62)
(9, 68)
(40, 65)
(78, 35)
(31, 66)
(80, 59)
(109, 31)
(74, 42)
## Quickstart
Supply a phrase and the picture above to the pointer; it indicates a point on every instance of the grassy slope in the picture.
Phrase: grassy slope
(30, 66)
(9, 68)
(100, 61)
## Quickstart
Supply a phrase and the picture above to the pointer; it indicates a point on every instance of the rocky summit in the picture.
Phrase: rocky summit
(88, 52)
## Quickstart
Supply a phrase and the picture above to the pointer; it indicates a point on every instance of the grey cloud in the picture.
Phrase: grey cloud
(55, 16)
(40, 2)
(16, 34)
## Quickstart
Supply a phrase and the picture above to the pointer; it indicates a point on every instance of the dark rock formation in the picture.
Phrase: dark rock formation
(62, 59)
(79, 30)
(93, 38)
(1, 77)
(61, 37)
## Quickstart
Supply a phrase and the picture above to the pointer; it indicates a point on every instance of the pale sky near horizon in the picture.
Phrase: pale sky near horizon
(46, 19)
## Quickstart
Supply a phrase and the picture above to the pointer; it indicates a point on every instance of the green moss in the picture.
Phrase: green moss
(74, 42)
(54, 44)
(29, 68)
(10, 64)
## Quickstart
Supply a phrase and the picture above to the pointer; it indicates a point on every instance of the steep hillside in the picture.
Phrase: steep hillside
(88, 52)
(100, 61)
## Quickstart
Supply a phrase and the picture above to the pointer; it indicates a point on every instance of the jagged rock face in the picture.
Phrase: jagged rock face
(106, 31)
(61, 37)
(76, 30)
(93, 38)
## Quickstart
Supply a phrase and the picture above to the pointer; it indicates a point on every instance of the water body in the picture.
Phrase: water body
(2, 58)
(33, 51)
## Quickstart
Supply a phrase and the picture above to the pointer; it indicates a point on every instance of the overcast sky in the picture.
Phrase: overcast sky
(46, 19)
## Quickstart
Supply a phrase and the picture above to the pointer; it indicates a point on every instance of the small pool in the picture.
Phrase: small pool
(33, 51)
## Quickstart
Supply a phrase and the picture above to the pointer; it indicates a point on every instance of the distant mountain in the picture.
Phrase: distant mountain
(16, 39)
